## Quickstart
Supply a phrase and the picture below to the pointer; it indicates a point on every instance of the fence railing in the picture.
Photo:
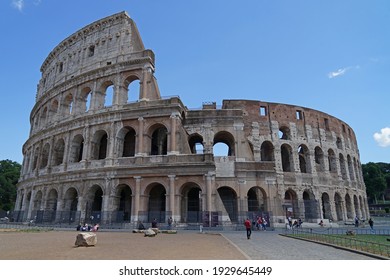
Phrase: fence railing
(346, 238)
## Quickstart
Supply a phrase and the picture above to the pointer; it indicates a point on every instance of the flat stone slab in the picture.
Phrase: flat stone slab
(86, 239)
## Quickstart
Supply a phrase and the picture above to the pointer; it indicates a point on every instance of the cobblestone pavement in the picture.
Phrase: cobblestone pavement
(269, 245)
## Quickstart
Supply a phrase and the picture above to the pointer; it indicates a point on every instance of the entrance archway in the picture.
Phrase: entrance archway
(157, 203)
(229, 201)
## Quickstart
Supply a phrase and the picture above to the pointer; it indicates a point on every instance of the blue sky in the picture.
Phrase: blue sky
(332, 56)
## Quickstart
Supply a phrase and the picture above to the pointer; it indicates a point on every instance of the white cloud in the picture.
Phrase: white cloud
(337, 73)
(18, 4)
(341, 71)
(383, 137)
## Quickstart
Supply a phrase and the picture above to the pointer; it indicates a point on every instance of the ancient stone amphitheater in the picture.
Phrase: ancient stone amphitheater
(106, 147)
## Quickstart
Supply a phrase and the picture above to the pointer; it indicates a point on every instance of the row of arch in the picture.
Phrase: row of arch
(92, 96)
(126, 146)
(336, 208)
(91, 204)
(53, 155)
(348, 167)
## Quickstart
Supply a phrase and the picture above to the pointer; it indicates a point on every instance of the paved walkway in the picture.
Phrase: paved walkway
(269, 245)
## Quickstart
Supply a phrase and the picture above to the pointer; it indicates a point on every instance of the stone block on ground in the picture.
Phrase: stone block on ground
(150, 233)
(86, 239)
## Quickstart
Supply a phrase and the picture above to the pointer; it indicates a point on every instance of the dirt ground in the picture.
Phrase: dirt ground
(59, 245)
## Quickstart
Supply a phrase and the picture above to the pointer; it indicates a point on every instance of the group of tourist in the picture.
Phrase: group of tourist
(87, 227)
(260, 223)
(296, 224)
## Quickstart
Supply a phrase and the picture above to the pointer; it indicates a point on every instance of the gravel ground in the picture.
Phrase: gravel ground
(185, 245)
(59, 245)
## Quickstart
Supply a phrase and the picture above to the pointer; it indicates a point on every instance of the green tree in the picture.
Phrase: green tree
(375, 180)
(9, 176)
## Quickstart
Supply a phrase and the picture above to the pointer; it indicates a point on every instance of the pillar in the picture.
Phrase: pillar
(140, 137)
(136, 198)
(172, 196)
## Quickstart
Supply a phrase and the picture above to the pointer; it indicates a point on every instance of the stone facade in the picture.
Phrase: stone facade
(105, 147)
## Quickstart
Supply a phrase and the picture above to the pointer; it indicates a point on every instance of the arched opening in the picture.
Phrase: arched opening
(45, 155)
(348, 205)
(223, 144)
(132, 84)
(191, 203)
(159, 141)
(310, 205)
(85, 100)
(326, 209)
(76, 149)
(58, 155)
(157, 203)
(68, 104)
(35, 159)
(51, 206)
(284, 133)
(70, 213)
(342, 167)
(123, 203)
(53, 110)
(319, 159)
(332, 161)
(196, 144)
(94, 203)
(37, 211)
(286, 154)
(339, 143)
(229, 201)
(303, 154)
(43, 117)
(99, 145)
(257, 201)
(290, 204)
(129, 143)
(267, 151)
(109, 96)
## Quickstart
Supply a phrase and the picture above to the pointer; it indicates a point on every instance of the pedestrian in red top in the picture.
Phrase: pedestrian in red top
(248, 227)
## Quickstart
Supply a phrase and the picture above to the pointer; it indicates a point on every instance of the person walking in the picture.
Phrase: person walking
(371, 223)
(248, 227)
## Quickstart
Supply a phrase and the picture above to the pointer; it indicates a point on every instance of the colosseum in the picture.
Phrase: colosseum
(105, 146)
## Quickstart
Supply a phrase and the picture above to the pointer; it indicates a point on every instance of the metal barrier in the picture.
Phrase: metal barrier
(338, 237)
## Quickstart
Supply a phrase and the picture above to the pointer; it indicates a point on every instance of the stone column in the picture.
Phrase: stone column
(140, 137)
(136, 198)
(67, 150)
(50, 155)
(145, 83)
(333, 210)
(172, 196)
(242, 197)
(111, 142)
(344, 209)
(105, 211)
(209, 190)
(58, 209)
(29, 217)
(81, 207)
(87, 145)
(173, 134)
